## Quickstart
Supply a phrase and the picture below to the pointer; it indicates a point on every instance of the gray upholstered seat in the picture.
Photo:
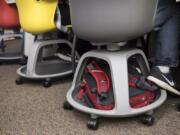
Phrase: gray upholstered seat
(112, 20)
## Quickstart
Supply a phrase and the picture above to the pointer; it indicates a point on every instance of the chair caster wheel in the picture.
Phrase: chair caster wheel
(47, 83)
(23, 61)
(92, 124)
(67, 106)
(2, 46)
(148, 120)
(19, 81)
(178, 107)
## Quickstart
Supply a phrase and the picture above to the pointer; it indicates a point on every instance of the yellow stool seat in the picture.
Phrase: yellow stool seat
(37, 16)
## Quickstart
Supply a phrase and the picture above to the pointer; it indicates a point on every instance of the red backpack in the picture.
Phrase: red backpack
(95, 88)
(140, 94)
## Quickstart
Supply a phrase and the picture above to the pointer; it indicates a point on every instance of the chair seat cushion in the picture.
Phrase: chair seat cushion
(37, 16)
(8, 15)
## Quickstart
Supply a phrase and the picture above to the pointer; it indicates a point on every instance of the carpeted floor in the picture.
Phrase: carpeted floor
(31, 109)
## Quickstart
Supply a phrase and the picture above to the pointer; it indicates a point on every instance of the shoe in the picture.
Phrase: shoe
(163, 80)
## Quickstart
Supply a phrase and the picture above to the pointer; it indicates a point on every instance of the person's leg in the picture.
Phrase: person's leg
(178, 18)
(166, 55)
(167, 44)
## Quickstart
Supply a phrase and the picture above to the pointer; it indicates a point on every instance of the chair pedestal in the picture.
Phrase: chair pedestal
(118, 66)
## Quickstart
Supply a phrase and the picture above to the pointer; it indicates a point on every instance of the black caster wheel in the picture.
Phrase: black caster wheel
(47, 83)
(19, 81)
(92, 124)
(23, 61)
(178, 107)
(148, 120)
(67, 106)
(2, 46)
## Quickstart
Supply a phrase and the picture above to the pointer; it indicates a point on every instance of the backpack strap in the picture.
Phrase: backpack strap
(141, 82)
(101, 78)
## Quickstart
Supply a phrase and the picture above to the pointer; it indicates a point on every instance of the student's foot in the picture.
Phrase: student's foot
(163, 80)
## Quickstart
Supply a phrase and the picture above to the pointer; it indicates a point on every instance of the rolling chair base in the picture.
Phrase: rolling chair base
(118, 65)
(45, 71)
(11, 56)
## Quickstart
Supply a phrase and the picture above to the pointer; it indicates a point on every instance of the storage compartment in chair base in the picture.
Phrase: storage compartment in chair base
(94, 87)
(141, 91)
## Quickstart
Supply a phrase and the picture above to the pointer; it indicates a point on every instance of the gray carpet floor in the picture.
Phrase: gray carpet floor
(31, 109)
